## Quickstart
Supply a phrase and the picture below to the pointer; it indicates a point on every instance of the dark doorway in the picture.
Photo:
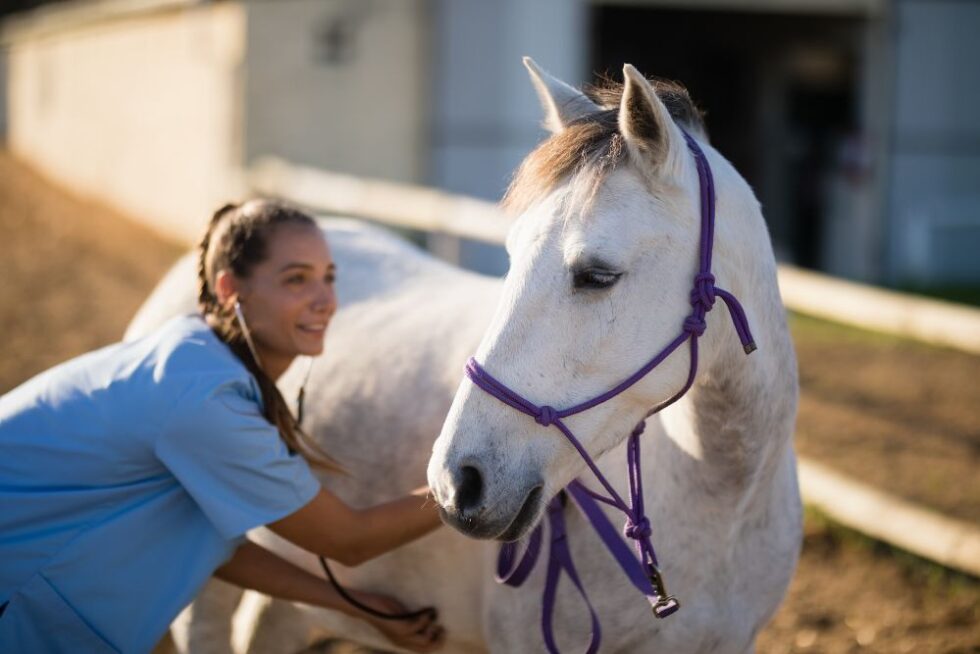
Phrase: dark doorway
(13, 6)
(779, 92)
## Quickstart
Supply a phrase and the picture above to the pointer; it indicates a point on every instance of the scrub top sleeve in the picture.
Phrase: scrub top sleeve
(232, 461)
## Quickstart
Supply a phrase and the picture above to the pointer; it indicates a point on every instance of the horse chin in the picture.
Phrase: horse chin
(526, 517)
(497, 529)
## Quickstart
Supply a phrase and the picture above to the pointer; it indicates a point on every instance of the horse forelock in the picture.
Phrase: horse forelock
(591, 147)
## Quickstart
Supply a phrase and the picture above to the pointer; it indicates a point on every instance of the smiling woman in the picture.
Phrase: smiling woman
(266, 279)
(159, 454)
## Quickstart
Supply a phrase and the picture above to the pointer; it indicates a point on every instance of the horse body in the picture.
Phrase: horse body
(719, 467)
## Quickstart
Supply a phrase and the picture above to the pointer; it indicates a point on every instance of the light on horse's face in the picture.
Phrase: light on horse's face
(591, 295)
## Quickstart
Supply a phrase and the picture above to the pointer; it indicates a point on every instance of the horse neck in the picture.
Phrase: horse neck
(735, 423)
(718, 449)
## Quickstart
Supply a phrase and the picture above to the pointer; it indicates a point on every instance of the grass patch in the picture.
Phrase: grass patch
(820, 330)
(924, 573)
(969, 295)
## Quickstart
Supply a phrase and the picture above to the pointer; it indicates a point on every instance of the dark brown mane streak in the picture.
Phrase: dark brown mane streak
(590, 144)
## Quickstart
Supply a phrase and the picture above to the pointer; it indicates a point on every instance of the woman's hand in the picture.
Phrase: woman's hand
(256, 568)
(423, 634)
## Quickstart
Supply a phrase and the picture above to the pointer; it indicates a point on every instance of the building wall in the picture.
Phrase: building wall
(156, 110)
(3, 93)
(486, 116)
(339, 84)
(934, 187)
(140, 112)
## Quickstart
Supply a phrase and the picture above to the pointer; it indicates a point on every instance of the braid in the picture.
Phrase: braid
(207, 302)
(239, 246)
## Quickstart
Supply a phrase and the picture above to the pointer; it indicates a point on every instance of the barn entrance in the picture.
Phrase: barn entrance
(780, 92)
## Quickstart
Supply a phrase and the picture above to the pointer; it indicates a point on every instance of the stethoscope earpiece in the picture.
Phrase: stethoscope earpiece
(240, 316)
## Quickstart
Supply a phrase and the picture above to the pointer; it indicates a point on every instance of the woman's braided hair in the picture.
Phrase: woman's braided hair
(237, 240)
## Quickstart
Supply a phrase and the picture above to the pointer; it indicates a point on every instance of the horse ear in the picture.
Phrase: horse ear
(561, 103)
(651, 136)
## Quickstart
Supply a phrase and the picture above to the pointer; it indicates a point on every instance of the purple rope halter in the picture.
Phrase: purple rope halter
(644, 573)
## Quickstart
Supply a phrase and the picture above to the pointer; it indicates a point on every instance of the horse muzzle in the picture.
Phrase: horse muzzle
(481, 509)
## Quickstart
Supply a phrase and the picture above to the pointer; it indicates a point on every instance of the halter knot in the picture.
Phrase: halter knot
(637, 530)
(639, 429)
(546, 416)
(703, 293)
(694, 325)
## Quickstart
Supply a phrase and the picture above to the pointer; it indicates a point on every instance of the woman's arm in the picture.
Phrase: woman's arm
(256, 568)
(328, 527)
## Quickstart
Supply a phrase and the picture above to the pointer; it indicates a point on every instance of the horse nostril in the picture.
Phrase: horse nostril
(469, 488)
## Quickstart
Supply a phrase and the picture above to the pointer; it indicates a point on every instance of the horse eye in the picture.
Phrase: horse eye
(595, 278)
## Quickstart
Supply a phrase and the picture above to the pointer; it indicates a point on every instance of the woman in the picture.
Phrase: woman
(131, 474)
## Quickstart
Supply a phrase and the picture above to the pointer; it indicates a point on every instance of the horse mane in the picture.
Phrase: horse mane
(592, 145)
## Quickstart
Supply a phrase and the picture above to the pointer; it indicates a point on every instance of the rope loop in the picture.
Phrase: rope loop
(637, 530)
(546, 416)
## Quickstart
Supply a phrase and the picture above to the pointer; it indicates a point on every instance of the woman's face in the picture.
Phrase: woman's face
(289, 298)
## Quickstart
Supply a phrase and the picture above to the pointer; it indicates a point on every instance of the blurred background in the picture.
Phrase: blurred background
(125, 123)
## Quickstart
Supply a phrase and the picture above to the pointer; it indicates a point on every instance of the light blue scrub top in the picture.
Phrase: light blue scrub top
(127, 476)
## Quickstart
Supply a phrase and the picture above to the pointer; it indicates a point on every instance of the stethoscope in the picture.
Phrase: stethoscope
(407, 615)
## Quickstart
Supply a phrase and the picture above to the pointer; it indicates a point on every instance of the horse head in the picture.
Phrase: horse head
(602, 257)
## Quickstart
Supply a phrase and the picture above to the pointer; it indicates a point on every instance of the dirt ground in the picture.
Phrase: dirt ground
(893, 413)
(71, 273)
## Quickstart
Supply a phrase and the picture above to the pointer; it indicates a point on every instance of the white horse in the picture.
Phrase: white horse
(602, 258)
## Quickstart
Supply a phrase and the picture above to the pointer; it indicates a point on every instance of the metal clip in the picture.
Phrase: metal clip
(665, 604)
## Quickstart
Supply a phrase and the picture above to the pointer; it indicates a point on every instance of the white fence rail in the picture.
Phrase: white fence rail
(398, 205)
(913, 528)
(930, 321)
(421, 208)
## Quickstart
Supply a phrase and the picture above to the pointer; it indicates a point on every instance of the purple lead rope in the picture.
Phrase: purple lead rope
(643, 569)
